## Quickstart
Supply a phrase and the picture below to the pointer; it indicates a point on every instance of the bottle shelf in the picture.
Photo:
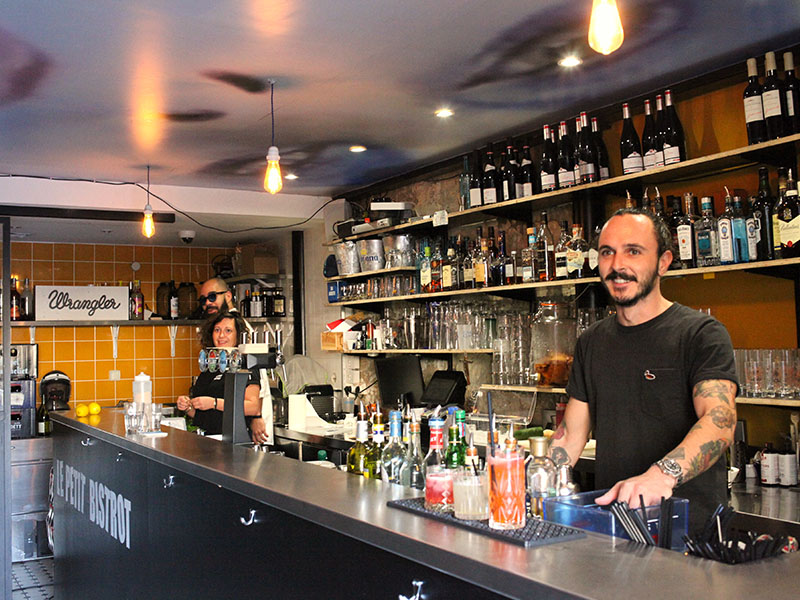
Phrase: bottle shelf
(420, 351)
(142, 323)
(782, 402)
(367, 274)
(687, 170)
(523, 388)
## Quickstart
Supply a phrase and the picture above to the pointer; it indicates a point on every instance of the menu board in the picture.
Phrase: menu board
(81, 303)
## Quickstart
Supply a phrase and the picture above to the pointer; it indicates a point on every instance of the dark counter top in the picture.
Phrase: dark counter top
(594, 567)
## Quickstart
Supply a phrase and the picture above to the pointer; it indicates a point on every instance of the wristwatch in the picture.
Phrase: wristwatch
(671, 467)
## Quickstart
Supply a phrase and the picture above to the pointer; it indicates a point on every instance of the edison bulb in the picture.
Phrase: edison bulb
(605, 27)
(148, 225)
(272, 179)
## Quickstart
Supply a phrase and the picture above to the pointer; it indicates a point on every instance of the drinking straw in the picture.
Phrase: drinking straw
(491, 424)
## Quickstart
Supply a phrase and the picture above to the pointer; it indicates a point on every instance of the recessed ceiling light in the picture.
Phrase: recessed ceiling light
(358, 148)
(570, 61)
(443, 113)
(290, 176)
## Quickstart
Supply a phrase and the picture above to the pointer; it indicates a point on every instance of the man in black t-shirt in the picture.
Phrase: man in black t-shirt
(656, 383)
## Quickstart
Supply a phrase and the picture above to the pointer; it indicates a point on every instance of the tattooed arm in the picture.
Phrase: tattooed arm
(704, 444)
(571, 436)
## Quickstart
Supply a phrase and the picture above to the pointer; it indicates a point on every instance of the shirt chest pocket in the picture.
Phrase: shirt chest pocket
(662, 392)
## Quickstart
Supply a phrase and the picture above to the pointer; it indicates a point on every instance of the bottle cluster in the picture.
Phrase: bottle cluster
(771, 108)
(662, 142)
(263, 302)
(21, 302)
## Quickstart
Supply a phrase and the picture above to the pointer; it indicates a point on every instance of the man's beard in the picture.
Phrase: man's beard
(643, 289)
(211, 309)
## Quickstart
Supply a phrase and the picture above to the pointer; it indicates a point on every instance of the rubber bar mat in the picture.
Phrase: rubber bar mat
(32, 580)
(535, 533)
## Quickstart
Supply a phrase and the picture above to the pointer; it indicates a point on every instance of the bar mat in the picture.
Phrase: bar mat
(535, 533)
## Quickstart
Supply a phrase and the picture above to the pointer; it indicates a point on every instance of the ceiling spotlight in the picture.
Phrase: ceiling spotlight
(605, 27)
(570, 61)
(358, 149)
(148, 226)
(443, 113)
(272, 178)
(291, 176)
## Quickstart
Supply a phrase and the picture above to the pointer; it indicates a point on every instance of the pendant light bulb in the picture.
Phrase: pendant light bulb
(605, 27)
(272, 179)
(148, 225)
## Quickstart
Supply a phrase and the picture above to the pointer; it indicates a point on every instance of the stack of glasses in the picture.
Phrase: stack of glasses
(768, 373)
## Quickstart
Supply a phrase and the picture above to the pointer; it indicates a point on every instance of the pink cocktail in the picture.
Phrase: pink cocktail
(506, 490)
(439, 489)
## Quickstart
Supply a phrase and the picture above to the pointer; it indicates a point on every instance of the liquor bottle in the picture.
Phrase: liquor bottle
(256, 304)
(527, 173)
(508, 173)
(773, 98)
(548, 166)
(511, 269)
(373, 464)
(728, 251)
(646, 201)
(357, 456)
(499, 262)
(450, 270)
(594, 254)
(268, 301)
(394, 451)
(743, 232)
(490, 179)
(577, 254)
(566, 158)
(545, 251)
(492, 272)
(786, 219)
(482, 263)
(278, 303)
(587, 152)
(174, 310)
(452, 456)
(137, 301)
(244, 305)
(436, 268)
(629, 201)
(562, 246)
(541, 476)
(658, 205)
(659, 122)
(685, 233)
(673, 220)
(16, 302)
(576, 168)
(792, 86)
(513, 160)
(44, 426)
(751, 227)
(438, 478)
(753, 107)
(674, 140)
(475, 191)
(27, 300)
(467, 270)
(649, 138)
(706, 239)
(629, 145)
(528, 258)
(601, 151)
(461, 425)
(463, 185)
(425, 276)
(761, 209)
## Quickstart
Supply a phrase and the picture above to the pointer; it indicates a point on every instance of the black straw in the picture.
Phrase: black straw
(491, 426)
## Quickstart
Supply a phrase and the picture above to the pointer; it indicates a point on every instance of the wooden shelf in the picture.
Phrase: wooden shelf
(763, 264)
(367, 274)
(782, 402)
(420, 351)
(142, 323)
(523, 388)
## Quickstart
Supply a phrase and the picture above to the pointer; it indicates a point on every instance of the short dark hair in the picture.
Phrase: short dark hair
(661, 230)
(207, 329)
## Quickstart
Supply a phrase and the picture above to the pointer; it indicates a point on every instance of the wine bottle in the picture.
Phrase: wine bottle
(27, 299)
(674, 140)
(489, 179)
(576, 163)
(566, 157)
(16, 302)
(649, 138)
(773, 99)
(373, 464)
(174, 309)
(792, 86)
(393, 452)
(357, 455)
(548, 167)
(587, 152)
(463, 185)
(513, 160)
(44, 426)
(475, 191)
(629, 145)
(527, 179)
(659, 123)
(762, 216)
(753, 107)
(508, 173)
(601, 151)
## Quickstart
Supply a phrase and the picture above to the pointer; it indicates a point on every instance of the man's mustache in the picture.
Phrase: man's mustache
(618, 275)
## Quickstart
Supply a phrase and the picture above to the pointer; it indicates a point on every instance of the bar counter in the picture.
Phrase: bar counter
(318, 531)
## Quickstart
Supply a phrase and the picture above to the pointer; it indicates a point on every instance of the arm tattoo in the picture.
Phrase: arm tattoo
(718, 389)
(678, 454)
(559, 456)
(722, 417)
(708, 455)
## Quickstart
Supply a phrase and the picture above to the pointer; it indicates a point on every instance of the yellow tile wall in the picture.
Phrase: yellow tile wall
(86, 353)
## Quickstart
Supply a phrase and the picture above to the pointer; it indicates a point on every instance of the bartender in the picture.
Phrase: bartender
(206, 402)
(215, 297)
(656, 384)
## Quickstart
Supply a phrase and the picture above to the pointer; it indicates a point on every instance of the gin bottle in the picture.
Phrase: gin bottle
(394, 452)
(706, 239)
(412, 471)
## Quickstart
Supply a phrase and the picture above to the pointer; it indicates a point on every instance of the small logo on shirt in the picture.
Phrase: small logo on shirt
(649, 375)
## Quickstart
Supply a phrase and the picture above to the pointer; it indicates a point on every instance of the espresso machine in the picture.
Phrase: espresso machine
(24, 359)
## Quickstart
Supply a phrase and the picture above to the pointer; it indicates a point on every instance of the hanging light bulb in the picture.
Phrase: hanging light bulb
(272, 178)
(605, 27)
(148, 225)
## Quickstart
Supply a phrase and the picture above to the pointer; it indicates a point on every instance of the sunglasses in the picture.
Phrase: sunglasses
(212, 297)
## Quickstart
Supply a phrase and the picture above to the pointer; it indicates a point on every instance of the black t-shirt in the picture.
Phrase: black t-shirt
(213, 384)
(638, 383)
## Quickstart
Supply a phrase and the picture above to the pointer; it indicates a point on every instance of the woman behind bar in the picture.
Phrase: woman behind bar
(206, 401)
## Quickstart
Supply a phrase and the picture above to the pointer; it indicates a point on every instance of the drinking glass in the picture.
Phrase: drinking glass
(739, 357)
(765, 358)
(783, 373)
(501, 361)
(464, 329)
(154, 417)
(506, 490)
(470, 494)
(132, 418)
(439, 489)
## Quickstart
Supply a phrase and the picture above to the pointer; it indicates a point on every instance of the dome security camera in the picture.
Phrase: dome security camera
(187, 235)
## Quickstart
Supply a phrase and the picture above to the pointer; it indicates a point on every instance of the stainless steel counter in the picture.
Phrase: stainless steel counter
(594, 567)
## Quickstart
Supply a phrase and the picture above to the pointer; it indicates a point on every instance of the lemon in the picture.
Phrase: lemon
(81, 410)
(94, 408)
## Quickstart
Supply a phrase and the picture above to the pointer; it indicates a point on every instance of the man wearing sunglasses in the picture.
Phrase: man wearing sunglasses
(215, 297)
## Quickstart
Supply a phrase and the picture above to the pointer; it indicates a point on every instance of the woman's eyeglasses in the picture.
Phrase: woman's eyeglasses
(212, 297)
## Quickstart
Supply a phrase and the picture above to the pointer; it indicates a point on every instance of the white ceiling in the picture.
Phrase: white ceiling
(98, 89)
